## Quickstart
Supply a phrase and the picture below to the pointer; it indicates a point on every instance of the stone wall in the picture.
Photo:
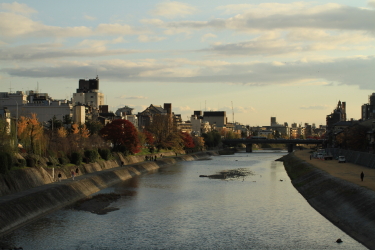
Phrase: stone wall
(356, 157)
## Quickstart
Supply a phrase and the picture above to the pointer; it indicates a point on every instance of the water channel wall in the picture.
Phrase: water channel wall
(19, 209)
(24, 179)
(348, 206)
(356, 157)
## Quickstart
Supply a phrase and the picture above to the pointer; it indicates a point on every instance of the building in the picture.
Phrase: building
(368, 109)
(145, 117)
(337, 115)
(217, 118)
(126, 113)
(5, 115)
(88, 95)
(21, 104)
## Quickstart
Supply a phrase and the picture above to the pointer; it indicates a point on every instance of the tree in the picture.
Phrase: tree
(61, 132)
(31, 134)
(123, 135)
(188, 140)
(94, 127)
(212, 138)
(85, 133)
(165, 133)
(54, 124)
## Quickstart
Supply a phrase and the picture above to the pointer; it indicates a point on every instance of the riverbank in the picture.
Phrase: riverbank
(23, 207)
(336, 191)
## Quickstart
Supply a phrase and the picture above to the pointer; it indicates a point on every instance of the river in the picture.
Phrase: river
(174, 208)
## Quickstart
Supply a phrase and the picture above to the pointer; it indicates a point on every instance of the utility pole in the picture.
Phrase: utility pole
(232, 113)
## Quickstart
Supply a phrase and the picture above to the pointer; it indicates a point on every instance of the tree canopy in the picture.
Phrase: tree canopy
(123, 135)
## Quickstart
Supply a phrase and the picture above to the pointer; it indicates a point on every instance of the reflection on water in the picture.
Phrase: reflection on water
(176, 209)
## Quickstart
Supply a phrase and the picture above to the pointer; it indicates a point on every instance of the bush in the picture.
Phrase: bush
(63, 161)
(5, 162)
(21, 163)
(92, 155)
(30, 162)
(105, 153)
(76, 158)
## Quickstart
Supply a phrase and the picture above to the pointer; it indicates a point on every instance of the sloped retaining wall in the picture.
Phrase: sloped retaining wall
(22, 209)
(24, 179)
(348, 206)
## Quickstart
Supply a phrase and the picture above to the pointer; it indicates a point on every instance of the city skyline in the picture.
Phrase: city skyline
(290, 60)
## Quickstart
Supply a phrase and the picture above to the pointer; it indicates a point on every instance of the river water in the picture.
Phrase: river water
(174, 208)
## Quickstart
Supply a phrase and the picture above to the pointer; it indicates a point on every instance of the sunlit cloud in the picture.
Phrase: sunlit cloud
(173, 9)
(208, 36)
(17, 8)
(90, 18)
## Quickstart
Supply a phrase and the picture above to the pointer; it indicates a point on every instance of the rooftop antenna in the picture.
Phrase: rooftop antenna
(10, 87)
(232, 111)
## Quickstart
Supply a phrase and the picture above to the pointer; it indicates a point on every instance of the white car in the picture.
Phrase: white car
(342, 159)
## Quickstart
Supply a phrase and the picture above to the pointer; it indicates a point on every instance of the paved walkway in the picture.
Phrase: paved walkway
(346, 171)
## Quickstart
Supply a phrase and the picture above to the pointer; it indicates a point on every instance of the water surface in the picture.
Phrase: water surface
(174, 208)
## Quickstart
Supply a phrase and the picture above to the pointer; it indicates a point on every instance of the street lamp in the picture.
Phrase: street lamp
(17, 126)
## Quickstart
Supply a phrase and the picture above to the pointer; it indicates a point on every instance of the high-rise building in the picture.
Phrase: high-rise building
(88, 94)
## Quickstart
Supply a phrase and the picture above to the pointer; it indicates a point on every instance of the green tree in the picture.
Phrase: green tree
(212, 138)
(94, 127)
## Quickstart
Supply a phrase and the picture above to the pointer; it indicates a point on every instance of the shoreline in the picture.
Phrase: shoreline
(335, 191)
(19, 209)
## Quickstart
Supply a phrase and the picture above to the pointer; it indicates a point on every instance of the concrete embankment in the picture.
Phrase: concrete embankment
(348, 206)
(24, 179)
(23, 207)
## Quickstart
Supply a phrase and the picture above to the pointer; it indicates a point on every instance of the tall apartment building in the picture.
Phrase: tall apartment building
(88, 93)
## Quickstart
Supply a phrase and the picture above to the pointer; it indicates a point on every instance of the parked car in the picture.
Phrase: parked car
(342, 159)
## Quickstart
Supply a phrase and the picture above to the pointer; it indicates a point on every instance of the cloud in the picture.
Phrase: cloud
(371, 3)
(208, 36)
(316, 107)
(173, 9)
(146, 38)
(90, 18)
(274, 16)
(297, 41)
(87, 48)
(16, 25)
(354, 71)
(117, 29)
(183, 108)
(136, 97)
(17, 8)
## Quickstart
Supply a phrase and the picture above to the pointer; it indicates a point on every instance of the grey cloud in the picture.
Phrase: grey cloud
(253, 48)
(316, 107)
(344, 18)
(347, 71)
(48, 51)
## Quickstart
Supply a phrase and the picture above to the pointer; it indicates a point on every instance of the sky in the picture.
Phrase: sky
(253, 59)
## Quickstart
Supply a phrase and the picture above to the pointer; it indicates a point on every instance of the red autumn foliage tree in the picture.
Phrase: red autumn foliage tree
(149, 137)
(123, 135)
(188, 140)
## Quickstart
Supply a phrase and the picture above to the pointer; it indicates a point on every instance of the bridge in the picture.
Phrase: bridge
(289, 142)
